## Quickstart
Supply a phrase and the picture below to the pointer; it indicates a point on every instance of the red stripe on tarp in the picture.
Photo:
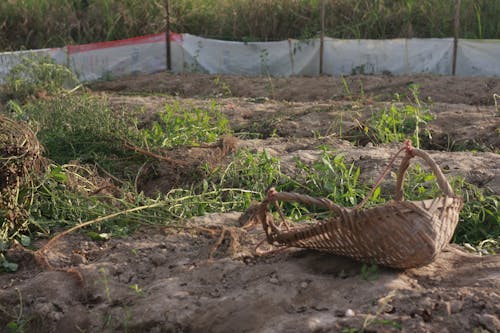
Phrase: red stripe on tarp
(154, 38)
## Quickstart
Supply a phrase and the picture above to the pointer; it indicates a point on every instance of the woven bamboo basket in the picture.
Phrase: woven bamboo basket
(399, 234)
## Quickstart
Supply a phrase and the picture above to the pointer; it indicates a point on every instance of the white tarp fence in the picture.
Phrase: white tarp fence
(478, 57)
(284, 58)
(146, 54)
(395, 56)
(113, 59)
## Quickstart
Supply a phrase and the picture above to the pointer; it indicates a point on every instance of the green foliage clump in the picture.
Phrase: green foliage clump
(77, 127)
(183, 126)
(400, 122)
(80, 129)
(35, 24)
(479, 221)
(37, 75)
(61, 203)
(332, 178)
(253, 171)
(420, 184)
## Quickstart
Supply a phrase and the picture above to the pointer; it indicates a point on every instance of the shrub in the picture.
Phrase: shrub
(37, 76)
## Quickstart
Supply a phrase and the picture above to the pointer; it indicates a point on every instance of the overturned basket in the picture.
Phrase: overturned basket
(399, 234)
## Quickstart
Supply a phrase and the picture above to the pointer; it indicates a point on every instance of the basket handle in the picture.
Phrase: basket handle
(271, 230)
(441, 179)
(304, 199)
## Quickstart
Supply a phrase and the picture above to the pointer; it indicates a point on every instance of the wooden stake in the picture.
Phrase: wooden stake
(322, 37)
(455, 39)
(167, 36)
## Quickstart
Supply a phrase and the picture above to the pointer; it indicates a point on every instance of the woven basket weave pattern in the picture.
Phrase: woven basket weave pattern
(400, 234)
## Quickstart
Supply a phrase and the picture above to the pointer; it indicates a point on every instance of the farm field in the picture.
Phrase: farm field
(193, 268)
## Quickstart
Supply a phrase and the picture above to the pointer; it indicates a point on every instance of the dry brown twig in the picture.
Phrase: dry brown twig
(153, 155)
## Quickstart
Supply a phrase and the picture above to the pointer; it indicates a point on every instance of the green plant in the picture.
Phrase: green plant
(222, 85)
(63, 199)
(420, 184)
(479, 220)
(17, 325)
(138, 290)
(79, 127)
(183, 126)
(332, 178)
(252, 171)
(328, 177)
(369, 272)
(6, 265)
(64, 203)
(346, 86)
(374, 319)
(37, 75)
(350, 330)
(104, 279)
(400, 121)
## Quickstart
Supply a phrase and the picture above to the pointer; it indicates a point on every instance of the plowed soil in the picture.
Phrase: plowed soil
(206, 277)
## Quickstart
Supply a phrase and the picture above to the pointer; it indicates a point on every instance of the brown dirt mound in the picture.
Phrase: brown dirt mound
(446, 89)
(182, 166)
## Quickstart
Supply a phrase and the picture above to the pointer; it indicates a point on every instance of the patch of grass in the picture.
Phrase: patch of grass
(53, 23)
(223, 88)
(37, 76)
(400, 122)
(253, 171)
(60, 204)
(186, 126)
(244, 179)
(78, 127)
(420, 184)
(479, 221)
(329, 177)
(82, 128)
(369, 272)
(332, 178)
(69, 126)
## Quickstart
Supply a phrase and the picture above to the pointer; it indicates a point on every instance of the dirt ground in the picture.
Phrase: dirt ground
(179, 280)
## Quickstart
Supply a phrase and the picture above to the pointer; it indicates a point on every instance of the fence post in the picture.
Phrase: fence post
(167, 36)
(322, 37)
(455, 38)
